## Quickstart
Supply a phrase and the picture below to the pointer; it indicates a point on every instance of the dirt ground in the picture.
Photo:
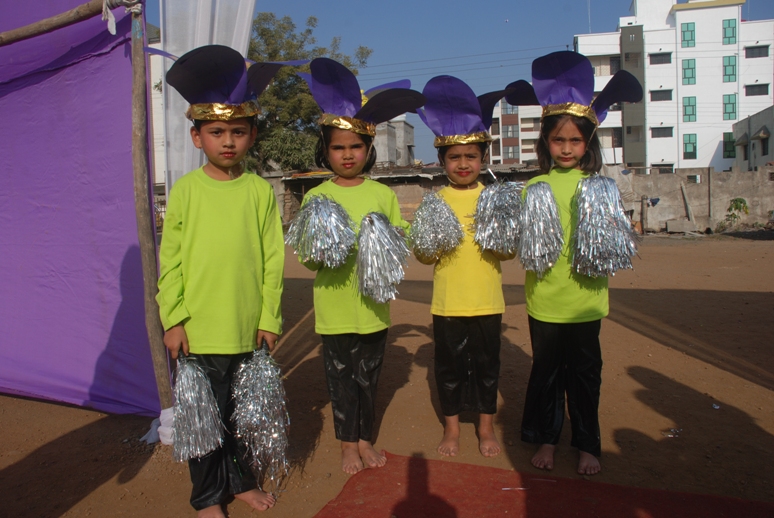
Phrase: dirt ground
(687, 347)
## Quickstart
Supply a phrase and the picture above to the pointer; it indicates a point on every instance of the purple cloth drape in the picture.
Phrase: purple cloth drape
(72, 324)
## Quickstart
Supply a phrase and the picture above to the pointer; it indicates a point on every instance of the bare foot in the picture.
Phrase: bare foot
(588, 464)
(450, 444)
(544, 458)
(256, 499)
(350, 457)
(213, 511)
(488, 444)
(370, 457)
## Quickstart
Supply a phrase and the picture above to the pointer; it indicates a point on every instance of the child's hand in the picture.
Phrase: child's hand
(175, 339)
(270, 338)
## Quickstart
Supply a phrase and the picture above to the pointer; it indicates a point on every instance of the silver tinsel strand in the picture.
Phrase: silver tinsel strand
(436, 230)
(197, 428)
(497, 217)
(541, 229)
(322, 232)
(381, 257)
(260, 416)
(604, 239)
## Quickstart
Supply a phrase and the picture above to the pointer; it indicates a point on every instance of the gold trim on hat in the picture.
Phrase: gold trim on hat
(578, 110)
(348, 123)
(470, 138)
(222, 112)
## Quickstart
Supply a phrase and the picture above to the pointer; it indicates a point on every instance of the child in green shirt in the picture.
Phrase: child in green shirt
(222, 258)
(353, 327)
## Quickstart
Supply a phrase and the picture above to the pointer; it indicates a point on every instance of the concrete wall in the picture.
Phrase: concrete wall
(708, 200)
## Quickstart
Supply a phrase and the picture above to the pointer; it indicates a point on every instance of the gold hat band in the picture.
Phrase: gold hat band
(453, 140)
(348, 123)
(578, 110)
(222, 112)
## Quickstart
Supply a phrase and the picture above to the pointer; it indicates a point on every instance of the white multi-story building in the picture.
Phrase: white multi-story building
(702, 68)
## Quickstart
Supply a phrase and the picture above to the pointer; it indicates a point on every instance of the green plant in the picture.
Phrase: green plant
(735, 207)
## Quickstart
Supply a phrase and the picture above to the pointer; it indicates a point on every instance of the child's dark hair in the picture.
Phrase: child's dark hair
(198, 123)
(483, 146)
(321, 148)
(590, 162)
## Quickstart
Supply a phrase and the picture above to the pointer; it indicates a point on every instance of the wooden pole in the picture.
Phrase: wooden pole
(78, 14)
(643, 213)
(145, 225)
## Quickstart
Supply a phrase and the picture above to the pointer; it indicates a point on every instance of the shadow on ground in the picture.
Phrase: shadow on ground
(47, 482)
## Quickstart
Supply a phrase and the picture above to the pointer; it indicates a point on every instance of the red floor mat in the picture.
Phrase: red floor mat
(411, 487)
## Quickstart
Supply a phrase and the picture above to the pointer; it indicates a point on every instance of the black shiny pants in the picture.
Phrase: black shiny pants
(224, 471)
(352, 366)
(566, 358)
(467, 363)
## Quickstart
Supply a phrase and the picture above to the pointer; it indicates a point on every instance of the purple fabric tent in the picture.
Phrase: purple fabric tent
(72, 324)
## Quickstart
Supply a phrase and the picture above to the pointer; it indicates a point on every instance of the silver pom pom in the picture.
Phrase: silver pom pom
(382, 255)
(322, 232)
(604, 239)
(541, 229)
(436, 230)
(497, 217)
(260, 415)
(197, 429)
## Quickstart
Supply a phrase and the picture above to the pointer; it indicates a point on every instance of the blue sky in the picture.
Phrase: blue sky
(486, 43)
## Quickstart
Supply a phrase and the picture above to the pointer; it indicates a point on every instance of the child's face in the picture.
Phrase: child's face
(347, 153)
(225, 142)
(566, 144)
(462, 164)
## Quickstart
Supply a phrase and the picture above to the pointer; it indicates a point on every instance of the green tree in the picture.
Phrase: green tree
(287, 126)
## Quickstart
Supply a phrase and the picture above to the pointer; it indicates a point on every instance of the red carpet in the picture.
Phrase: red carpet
(411, 487)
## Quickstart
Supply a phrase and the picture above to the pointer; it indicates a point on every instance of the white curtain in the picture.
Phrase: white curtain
(185, 25)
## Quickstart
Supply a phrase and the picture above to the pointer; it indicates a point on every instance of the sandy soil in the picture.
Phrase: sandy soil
(687, 346)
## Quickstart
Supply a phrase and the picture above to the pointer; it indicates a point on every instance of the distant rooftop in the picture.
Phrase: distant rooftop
(153, 33)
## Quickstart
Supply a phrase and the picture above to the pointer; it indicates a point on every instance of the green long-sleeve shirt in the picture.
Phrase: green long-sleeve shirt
(564, 296)
(338, 305)
(222, 262)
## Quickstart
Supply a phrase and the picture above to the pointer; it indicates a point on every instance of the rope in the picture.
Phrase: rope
(132, 6)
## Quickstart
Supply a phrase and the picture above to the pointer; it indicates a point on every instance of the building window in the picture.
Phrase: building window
(510, 152)
(496, 147)
(663, 168)
(661, 95)
(689, 71)
(615, 64)
(688, 34)
(764, 146)
(495, 126)
(729, 151)
(750, 90)
(729, 31)
(744, 153)
(729, 107)
(729, 69)
(662, 58)
(509, 109)
(617, 137)
(510, 131)
(756, 52)
(661, 132)
(689, 146)
(689, 109)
